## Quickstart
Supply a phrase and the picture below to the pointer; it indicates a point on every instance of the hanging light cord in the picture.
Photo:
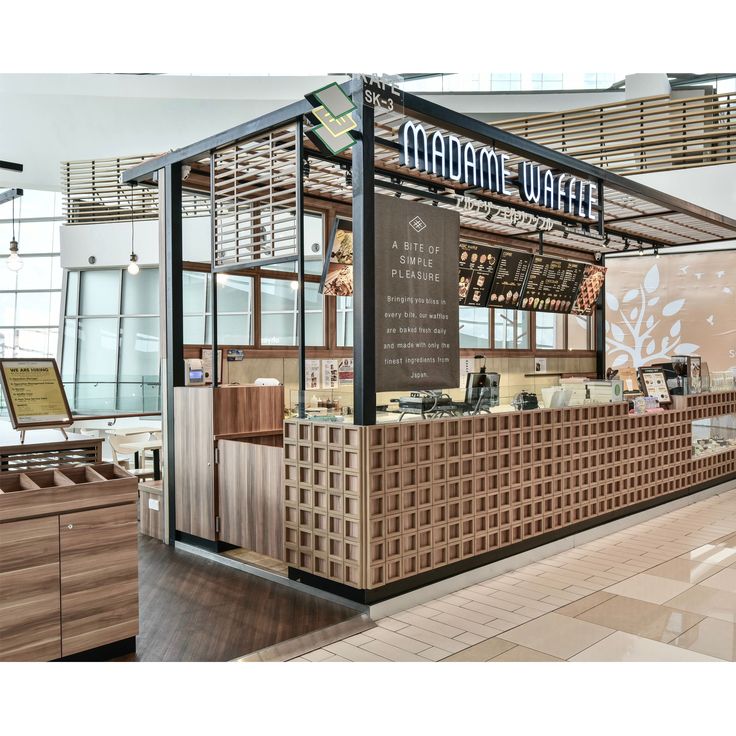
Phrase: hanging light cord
(132, 233)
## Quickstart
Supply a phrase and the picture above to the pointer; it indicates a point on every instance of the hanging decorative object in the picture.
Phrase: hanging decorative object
(14, 262)
(133, 267)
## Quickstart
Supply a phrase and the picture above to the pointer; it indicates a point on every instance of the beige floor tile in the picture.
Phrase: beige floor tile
(398, 640)
(723, 580)
(429, 624)
(461, 612)
(495, 613)
(318, 655)
(711, 636)
(713, 554)
(557, 635)
(352, 653)
(469, 639)
(707, 602)
(482, 652)
(390, 623)
(299, 659)
(650, 588)
(481, 629)
(641, 618)
(584, 604)
(524, 654)
(358, 639)
(523, 602)
(336, 658)
(685, 571)
(557, 601)
(429, 638)
(393, 654)
(623, 647)
(433, 654)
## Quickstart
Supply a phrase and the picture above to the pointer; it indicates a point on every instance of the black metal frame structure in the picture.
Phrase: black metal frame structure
(368, 174)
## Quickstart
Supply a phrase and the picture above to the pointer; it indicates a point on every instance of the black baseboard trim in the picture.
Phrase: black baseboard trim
(104, 653)
(196, 541)
(376, 595)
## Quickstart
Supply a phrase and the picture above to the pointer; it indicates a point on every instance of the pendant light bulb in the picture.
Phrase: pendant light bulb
(14, 262)
(133, 267)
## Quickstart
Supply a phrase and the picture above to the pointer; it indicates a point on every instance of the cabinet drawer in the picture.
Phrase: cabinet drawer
(99, 577)
(29, 590)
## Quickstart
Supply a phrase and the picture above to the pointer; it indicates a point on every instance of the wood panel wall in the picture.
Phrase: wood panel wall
(369, 506)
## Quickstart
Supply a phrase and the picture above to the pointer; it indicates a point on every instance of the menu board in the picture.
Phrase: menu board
(511, 275)
(590, 287)
(34, 393)
(552, 285)
(655, 384)
(476, 269)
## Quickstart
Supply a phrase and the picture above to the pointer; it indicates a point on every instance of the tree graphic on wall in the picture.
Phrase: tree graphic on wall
(629, 339)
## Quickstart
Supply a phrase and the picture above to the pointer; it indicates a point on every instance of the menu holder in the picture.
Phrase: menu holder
(590, 287)
(654, 384)
(34, 395)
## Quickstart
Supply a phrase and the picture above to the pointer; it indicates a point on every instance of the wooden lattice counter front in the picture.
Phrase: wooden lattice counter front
(368, 507)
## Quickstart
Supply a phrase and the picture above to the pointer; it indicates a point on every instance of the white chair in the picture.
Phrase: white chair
(118, 446)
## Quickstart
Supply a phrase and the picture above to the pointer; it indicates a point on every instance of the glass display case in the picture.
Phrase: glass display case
(714, 434)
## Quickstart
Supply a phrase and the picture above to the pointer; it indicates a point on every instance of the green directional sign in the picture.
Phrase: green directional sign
(333, 119)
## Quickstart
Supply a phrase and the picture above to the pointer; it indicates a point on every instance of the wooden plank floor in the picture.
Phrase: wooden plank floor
(196, 610)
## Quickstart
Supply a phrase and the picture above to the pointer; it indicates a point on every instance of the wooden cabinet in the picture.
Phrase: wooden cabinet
(29, 590)
(68, 561)
(207, 419)
(99, 577)
(194, 486)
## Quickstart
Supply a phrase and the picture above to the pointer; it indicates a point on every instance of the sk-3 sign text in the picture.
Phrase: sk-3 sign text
(445, 156)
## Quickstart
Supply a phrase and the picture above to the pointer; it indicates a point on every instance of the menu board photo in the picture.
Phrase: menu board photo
(337, 273)
(477, 266)
(590, 288)
(552, 285)
(511, 275)
(34, 393)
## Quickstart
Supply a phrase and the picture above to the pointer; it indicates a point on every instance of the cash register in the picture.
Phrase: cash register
(426, 404)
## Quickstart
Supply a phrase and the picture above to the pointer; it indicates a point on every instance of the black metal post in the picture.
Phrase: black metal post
(600, 329)
(364, 306)
(300, 302)
(174, 322)
(601, 209)
(213, 277)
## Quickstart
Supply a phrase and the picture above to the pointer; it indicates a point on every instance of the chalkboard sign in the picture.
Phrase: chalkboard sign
(477, 267)
(508, 284)
(552, 285)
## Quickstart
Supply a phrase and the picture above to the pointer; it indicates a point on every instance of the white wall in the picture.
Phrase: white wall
(109, 243)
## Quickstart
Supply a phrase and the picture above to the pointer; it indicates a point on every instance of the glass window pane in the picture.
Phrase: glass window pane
(579, 333)
(7, 341)
(97, 364)
(234, 293)
(100, 292)
(7, 309)
(474, 327)
(277, 296)
(36, 342)
(69, 354)
(139, 361)
(233, 329)
(194, 329)
(36, 272)
(278, 313)
(511, 329)
(72, 292)
(8, 278)
(33, 237)
(279, 330)
(194, 292)
(344, 321)
(140, 292)
(34, 308)
(550, 331)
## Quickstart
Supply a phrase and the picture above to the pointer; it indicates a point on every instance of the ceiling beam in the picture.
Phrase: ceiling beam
(10, 195)
(10, 166)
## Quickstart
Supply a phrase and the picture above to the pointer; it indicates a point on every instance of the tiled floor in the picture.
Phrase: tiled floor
(663, 590)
